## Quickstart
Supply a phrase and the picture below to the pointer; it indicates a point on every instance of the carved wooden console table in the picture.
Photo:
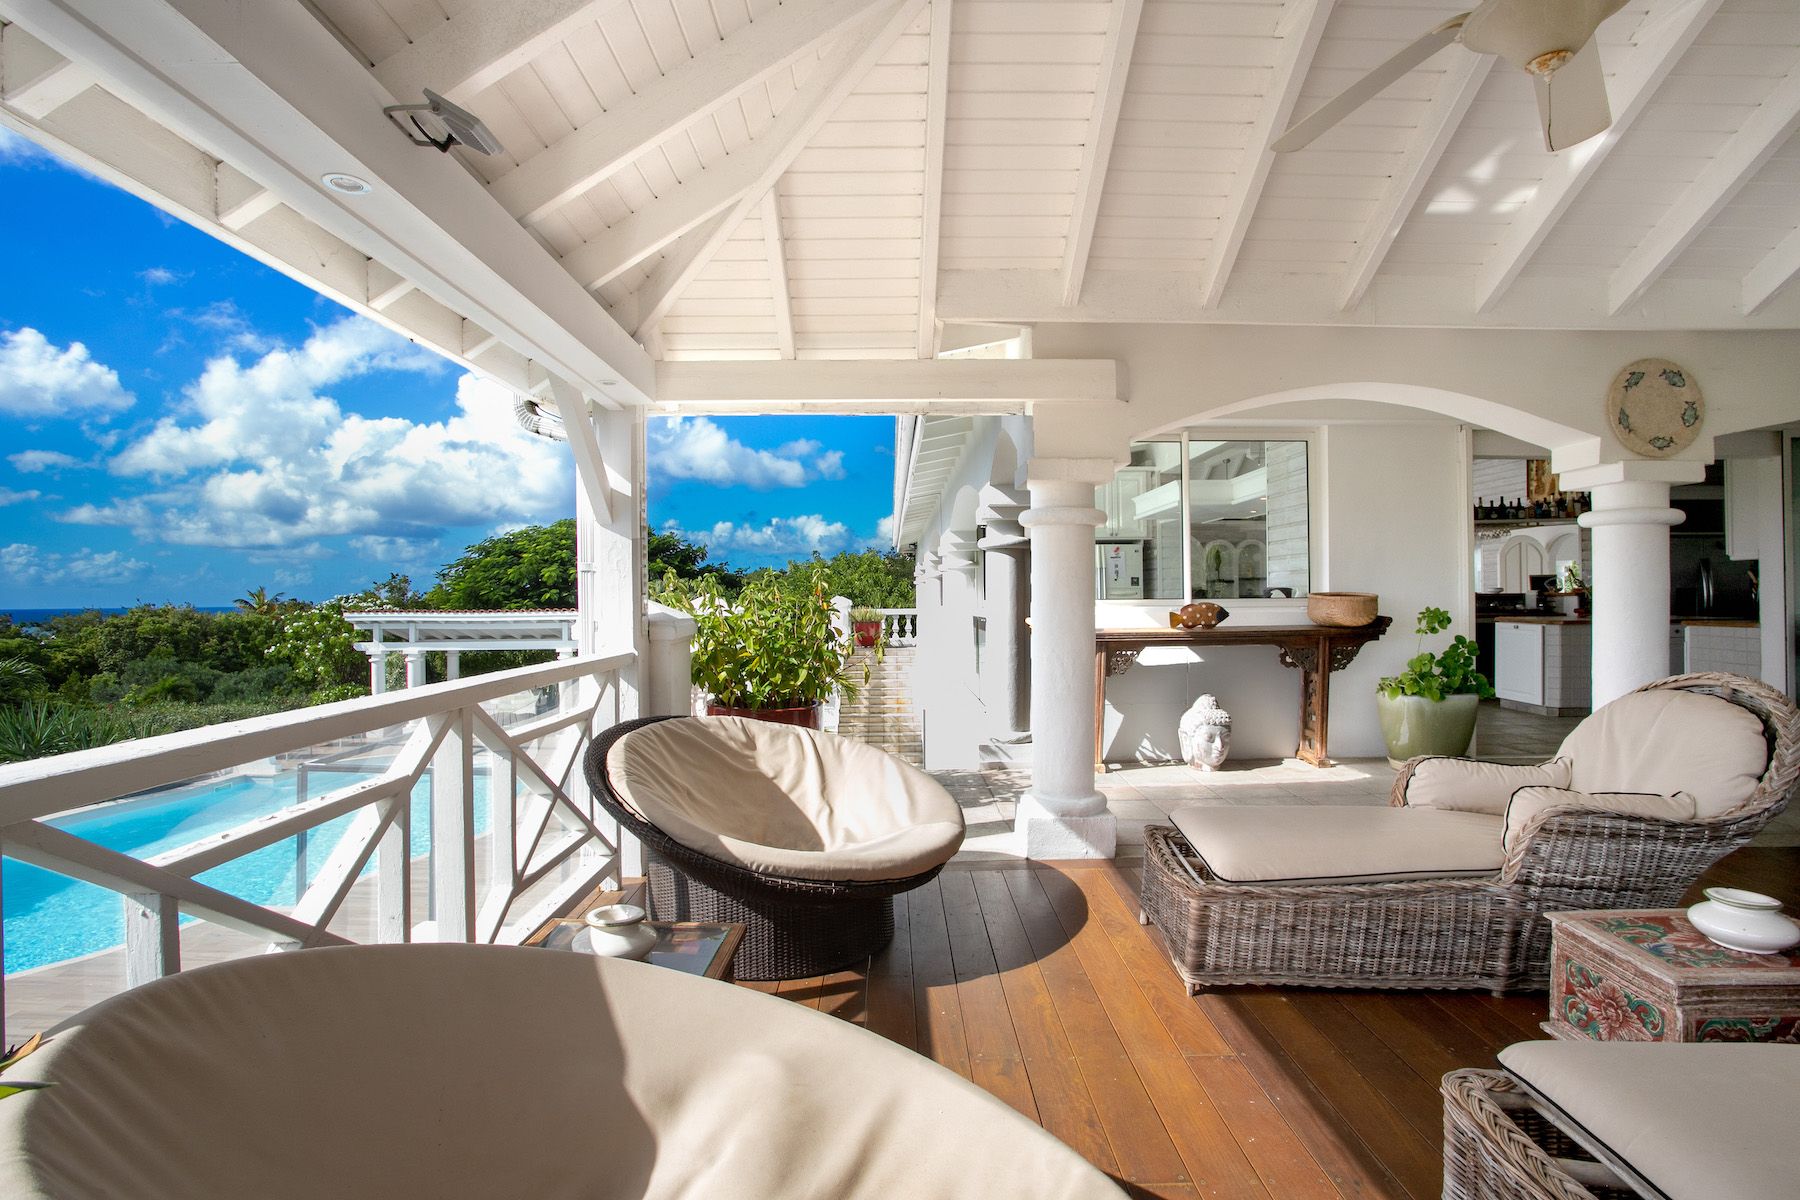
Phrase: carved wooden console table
(1315, 650)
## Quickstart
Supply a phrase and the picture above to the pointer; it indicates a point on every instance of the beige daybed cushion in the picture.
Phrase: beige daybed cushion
(453, 1071)
(1698, 1121)
(1324, 844)
(1468, 785)
(1531, 802)
(784, 800)
(1669, 741)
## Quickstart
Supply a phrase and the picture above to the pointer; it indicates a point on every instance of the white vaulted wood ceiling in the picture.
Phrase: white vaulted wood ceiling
(834, 179)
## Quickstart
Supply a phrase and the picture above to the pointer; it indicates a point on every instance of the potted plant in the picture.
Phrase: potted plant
(770, 653)
(1430, 707)
(865, 622)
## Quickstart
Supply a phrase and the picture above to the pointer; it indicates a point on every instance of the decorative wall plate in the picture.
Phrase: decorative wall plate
(1655, 407)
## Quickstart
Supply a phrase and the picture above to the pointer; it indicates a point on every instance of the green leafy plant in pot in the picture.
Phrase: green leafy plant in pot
(770, 652)
(1430, 707)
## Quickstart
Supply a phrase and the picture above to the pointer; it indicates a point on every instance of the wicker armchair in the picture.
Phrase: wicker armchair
(1481, 931)
(795, 926)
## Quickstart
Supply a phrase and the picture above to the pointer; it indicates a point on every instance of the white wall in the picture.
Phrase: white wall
(1396, 503)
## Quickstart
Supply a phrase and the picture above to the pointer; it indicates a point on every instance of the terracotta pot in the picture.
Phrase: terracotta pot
(867, 632)
(806, 716)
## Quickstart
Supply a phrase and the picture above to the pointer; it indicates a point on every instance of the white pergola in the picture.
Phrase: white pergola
(414, 634)
(757, 206)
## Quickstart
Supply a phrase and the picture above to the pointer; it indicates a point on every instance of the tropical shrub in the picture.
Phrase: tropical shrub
(39, 728)
(319, 647)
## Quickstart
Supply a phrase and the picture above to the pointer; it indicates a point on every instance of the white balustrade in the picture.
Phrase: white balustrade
(547, 844)
(899, 626)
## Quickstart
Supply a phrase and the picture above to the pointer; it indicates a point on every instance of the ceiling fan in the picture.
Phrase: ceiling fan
(1551, 40)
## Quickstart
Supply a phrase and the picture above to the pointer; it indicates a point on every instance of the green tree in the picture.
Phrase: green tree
(395, 592)
(670, 554)
(529, 568)
(258, 600)
(319, 647)
(873, 578)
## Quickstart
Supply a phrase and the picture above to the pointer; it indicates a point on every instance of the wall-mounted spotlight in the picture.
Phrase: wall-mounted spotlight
(460, 126)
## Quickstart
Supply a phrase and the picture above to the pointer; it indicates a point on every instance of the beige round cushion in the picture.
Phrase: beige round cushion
(783, 800)
(1668, 740)
(454, 1071)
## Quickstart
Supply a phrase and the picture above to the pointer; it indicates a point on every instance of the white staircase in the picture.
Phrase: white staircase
(882, 713)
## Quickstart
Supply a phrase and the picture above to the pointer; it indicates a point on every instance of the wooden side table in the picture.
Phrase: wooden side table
(1650, 976)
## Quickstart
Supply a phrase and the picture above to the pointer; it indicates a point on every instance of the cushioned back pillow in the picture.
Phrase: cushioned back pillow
(1667, 741)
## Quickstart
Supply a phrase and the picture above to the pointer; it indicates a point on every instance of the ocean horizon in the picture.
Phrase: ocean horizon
(37, 616)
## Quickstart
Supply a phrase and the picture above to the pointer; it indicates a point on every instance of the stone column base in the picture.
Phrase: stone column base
(1044, 834)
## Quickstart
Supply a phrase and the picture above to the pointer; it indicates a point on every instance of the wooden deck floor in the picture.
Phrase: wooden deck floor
(1037, 983)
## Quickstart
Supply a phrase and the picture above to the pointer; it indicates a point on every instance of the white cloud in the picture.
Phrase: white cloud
(25, 564)
(260, 456)
(382, 552)
(780, 535)
(161, 276)
(8, 496)
(38, 379)
(884, 532)
(31, 462)
(699, 448)
(17, 147)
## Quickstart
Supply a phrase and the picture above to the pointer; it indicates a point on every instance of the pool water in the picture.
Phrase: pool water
(50, 917)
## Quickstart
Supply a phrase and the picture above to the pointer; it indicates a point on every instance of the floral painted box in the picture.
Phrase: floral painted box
(1650, 976)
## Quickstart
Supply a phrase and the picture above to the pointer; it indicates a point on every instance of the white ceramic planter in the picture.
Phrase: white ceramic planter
(1747, 921)
(616, 931)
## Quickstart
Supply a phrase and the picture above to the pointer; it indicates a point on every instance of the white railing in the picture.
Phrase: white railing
(899, 626)
(545, 844)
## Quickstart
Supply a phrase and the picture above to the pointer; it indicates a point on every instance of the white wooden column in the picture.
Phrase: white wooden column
(377, 672)
(453, 830)
(1006, 603)
(415, 668)
(1063, 815)
(1630, 520)
(453, 664)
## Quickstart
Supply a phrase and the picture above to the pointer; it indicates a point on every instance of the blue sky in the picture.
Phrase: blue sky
(181, 423)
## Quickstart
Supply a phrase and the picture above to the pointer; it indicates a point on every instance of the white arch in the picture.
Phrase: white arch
(1489, 414)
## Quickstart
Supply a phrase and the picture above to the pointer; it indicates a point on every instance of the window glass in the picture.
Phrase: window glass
(1247, 518)
(1137, 550)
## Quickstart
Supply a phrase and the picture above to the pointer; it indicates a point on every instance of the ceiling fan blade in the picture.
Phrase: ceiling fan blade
(1367, 88)
(1572, 99)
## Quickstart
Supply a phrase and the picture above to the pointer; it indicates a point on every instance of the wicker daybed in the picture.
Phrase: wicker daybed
(1452, 892)
(803, 836)
(1606, 1120)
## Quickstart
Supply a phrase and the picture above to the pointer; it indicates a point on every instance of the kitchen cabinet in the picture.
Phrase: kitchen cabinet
(1752, 507)
(1118, 499)
(1544, 665)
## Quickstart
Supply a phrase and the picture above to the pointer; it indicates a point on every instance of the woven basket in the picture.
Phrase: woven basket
(1347, 610)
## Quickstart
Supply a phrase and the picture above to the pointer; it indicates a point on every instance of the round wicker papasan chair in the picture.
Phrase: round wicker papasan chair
(803, 836)
(455, 1071)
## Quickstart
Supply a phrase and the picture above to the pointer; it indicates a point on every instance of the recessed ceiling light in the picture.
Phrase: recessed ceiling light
(349, 185)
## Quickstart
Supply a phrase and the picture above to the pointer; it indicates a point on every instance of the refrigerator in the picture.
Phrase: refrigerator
(1119, 573)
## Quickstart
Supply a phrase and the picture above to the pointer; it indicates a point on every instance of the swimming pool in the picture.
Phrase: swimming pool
(50, 917)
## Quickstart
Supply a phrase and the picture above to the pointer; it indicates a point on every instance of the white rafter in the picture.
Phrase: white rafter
(1462, 79)
(482, 44)
(786, 138)
(584, 444)
(37, 80)
(617, 249)
(1629, 92)
(1756, 140)
(778, 277)
(937, 107)
(1302, 25)
(1090, 184)
(1777, 269)
(575, 163)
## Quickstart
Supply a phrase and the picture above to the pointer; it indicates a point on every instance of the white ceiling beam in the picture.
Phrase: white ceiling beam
(584, 444)
(1629, 93)
(778, 276)
(240, 199)
(1462, 79)
(616, 250)
(575, 163)
(386, 287)
(813, 384)
(1777, 269)
(1303, 25)
(1755, 142)
(476, 341)
(785, 139)
(37, 80)
(283, 101)
(937, 107)
(482, 44)
(656, 292)
(1096, 153)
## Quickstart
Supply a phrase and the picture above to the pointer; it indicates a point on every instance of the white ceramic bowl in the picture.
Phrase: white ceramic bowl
(1746, 921)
